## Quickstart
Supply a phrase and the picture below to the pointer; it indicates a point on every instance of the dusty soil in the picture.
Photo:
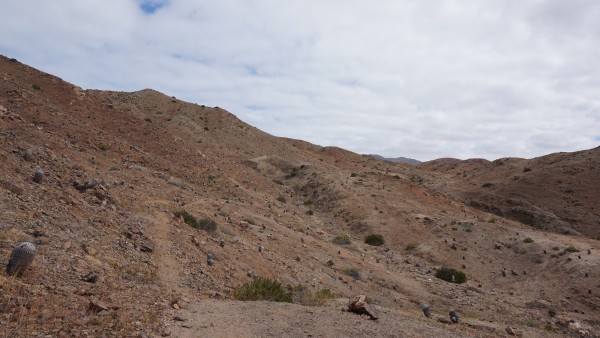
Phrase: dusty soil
(150, 155)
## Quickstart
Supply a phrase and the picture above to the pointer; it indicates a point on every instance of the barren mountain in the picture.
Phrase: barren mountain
(112, 258)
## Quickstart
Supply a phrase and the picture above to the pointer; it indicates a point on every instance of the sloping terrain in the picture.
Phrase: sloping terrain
(557, 192)
(113, 259)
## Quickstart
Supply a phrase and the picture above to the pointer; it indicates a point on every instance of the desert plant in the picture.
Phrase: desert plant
(353, 272)
(375, 239)
(528, 240)
(302, 295)
(451, 275)
(263, 289)
(309, 212)
(342, 239)
(205, 224)
(410, 246)
(103, 146)
(281, 199)
(571, 248)
(249, 220)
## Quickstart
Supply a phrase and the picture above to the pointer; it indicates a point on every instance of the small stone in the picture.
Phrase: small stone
(510, 330)
(90, 278)
(260, 248)
(329, 263)
(38, 176)
(147, 246)
(96, 306)
(551, 312)
(222, 243)
(297, 258)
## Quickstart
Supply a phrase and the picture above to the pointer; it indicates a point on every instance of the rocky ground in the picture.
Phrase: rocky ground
(112, 259)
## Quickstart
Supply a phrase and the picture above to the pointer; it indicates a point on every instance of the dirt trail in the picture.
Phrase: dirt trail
(214, 318)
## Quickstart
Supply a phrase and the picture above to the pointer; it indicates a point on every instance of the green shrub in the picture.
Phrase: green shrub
(281, 199)
(103, 146)
(353, 175)
(528, 240)
(205, 224)
(308, 202)
(374, 239)
(309, 212)
(571, 248)
(410, 246)
(147, 119)
(343, 239)
(263, 289)
(353, 272)
(302, 295)
(447, 273)
(249, 220)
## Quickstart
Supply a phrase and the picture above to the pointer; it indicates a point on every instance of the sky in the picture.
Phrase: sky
(422, 79)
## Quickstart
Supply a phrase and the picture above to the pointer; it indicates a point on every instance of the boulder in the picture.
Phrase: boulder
(359, 304)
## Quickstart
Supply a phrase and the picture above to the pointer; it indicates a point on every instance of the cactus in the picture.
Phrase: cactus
(453, 316)
(426, 310)
(38, 176)
(20, 259)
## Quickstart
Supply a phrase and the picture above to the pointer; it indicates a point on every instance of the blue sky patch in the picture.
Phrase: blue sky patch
(151, 6)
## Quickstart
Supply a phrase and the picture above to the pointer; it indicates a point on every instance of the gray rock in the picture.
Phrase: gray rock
(359, 305)
(147, 246)
(222, 243)
(20, 259)
(90, 278)
(38, 176)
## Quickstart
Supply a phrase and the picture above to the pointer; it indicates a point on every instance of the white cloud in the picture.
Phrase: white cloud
(422, 79)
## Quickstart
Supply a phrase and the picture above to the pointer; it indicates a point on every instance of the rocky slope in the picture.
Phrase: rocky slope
(113, 259)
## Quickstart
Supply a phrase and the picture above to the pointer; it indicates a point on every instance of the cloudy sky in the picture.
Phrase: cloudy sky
(416, 78)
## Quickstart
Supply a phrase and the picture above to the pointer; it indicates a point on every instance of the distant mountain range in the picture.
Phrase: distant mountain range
(395, 160)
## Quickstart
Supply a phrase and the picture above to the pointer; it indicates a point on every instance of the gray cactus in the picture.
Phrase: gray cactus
(426, 310)
(20, 259)
(38, 176)
(453, 316)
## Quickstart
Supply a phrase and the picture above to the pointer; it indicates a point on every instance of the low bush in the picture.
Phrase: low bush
(302, 295)
(281, 199)
(353, 272)
(375, 239)
(410, 246)
(451, 275)
(205, 224)
(263, 289)
(343, 239)
(528, 240)
(571, 248)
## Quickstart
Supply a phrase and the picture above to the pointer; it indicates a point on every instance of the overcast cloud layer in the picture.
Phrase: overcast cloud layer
(422, 79)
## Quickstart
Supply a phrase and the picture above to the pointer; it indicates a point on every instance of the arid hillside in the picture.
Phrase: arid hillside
(557, 192)
(95, 179)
